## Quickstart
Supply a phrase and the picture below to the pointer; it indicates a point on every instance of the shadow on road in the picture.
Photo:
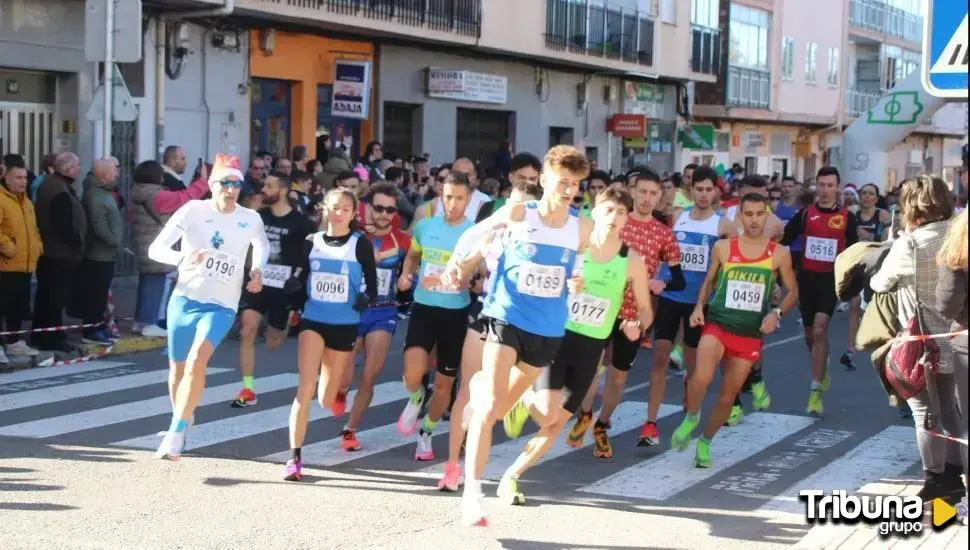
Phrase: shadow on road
(35, 507)
(47, 451)
(519, 544)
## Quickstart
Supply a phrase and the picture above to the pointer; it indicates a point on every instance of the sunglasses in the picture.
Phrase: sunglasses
(578, 199)
(226, 184)
(384, 209)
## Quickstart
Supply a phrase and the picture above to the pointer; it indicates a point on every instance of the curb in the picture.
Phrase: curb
(129, 345)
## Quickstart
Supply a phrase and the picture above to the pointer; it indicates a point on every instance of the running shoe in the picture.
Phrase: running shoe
(702, 454)
(294, 470)
(3, 357)
(515, 419)
(349, 440)
(509, 493)
(171, 447)
(681, 437)
(815, 403)
(826, 380)
(424, 451)
(339, 404)
(20, 348)
(737, 415)
(450, 482)
(677, 355)
(245, 398)
(601, 441)
(761, 399)
(407, 423)
(473, 511)
(846, 361)
(649, 435)
(576, 434)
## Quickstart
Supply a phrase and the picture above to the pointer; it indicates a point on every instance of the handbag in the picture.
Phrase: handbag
(912, 358)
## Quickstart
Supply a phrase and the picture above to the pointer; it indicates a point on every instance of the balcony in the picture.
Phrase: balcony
(706, 48)
(402, 17)
(858, 102)
(877, 16)
(602, 30)
(748, 88)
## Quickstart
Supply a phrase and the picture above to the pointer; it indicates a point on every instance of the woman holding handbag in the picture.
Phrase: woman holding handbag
(910, 271)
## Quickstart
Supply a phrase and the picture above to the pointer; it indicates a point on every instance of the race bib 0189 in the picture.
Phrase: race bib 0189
(220, 266)
(541, 281)
(588, 310)
(693, 257)
(330, 287)
(275, 276)
(744, 296)
(821, 250)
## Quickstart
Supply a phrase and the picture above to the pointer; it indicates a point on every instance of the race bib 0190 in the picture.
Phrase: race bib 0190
(744, 296)
(275, 276)
(821, 250)
(541, 281)
(330, 287)
(588, 310)
(383, 282)
(693, 257)
(220, 266)
(436, 270)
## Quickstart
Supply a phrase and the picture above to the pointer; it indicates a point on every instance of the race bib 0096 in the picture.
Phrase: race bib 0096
(693, 257)
(275, 276)
(541, 281)
(745, 296)
(330, 287)
(821, 250)
(588, 310)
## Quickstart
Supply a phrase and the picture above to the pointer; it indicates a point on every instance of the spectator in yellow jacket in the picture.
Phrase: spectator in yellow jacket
(20, 247)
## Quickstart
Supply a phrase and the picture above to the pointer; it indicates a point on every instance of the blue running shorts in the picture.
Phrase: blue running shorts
(372, 320)
(189, 319)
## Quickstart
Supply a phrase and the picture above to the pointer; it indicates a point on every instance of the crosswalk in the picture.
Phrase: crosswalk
(767, 459)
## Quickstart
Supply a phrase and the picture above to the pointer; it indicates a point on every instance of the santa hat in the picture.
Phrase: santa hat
(851, 189)
(225, 166)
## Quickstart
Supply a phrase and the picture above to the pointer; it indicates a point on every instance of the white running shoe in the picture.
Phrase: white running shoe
(171, 447)
(4, 360)
(154, 331)
(473, 510)
(407, 423)
(20, 348)
(424, 451)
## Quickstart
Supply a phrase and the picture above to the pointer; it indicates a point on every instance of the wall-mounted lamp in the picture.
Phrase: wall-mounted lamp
(267, 41)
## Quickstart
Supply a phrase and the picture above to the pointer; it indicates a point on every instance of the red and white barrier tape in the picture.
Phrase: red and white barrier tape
(921, 337)
(51, 329)
(948, 438)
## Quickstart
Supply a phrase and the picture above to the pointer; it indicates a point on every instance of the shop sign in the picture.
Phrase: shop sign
(627, 125)
(753, 140)
(644, 99)
(696, 136)
(461, 85)
(351, 89)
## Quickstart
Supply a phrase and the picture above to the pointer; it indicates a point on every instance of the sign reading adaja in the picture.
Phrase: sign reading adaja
(351, 89)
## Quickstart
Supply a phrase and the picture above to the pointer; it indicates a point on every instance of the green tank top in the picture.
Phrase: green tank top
(743, 294)
(593, 312)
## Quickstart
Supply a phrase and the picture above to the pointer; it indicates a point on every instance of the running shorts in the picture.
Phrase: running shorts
(671, 316)
(531, 349)
(335, 337)
(188, 319)
(739, 347)
(432, 326)
(816, 294)
(271, 303)
(624, 351)
(373, 320)
(573, 369)
(476, 321)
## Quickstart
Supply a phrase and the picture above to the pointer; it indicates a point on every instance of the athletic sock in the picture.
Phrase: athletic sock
(695, 418)
(706, 439)
(473, 487)
(296, 454)
(816, 385)
(428, 425)
(417, 396)
(178, 425)
(756, 376)
(248, 383)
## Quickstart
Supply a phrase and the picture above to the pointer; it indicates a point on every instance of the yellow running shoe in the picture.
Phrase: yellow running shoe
(509, 493)
(737, 415)
(815, 403)
(576, 434)
(515, 419)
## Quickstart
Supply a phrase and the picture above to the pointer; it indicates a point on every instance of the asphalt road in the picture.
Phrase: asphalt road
(76, 468)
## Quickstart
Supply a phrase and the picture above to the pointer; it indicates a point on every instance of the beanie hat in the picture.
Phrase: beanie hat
(224, 167)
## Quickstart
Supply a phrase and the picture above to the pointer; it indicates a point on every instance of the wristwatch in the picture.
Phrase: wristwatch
(778, 312)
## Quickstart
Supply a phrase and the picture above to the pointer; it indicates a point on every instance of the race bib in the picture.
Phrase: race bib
(541, 281)
(745, 296)
(275, 276)
(384, 282)
(821, 250)
(693, 257)
(588, 310)
(221, 266)
(435, 270)
(330, 287)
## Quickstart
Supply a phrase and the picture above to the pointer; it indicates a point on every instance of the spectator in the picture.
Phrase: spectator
(151, 206)
(300, 158)
(63, 227)
(173, 161)
(502, 159)
(373, 154)
(284, 167)
(300, 183)
(20, 248)
(47, 168)
(335, 165)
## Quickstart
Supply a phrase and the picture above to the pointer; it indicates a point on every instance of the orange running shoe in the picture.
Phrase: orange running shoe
(602, 448)
(349, 441)
(339, 404)
(578, 432)
(245, 398)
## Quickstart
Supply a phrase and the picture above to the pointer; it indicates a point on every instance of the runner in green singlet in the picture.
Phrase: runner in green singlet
(741, 276)
(608, 266)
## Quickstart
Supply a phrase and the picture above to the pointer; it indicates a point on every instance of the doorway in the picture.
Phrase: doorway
(559, 135)
(343, 131)
(270, 116)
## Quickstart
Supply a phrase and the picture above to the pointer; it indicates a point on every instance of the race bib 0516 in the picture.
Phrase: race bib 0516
(821, 250)
(541, 281)
(333, 288)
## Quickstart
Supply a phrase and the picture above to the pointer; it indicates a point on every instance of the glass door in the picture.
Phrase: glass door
(270, 116)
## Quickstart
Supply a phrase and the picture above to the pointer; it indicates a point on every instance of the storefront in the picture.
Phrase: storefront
(305, 88)
(657, 102)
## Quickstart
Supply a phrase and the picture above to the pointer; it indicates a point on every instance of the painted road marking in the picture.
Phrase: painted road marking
(53, 372)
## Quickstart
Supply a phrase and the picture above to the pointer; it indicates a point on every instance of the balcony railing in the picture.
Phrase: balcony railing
(462, 17)
(877, 16)
(705, 56)
(858, 102)
(749, 88)
(599, 30)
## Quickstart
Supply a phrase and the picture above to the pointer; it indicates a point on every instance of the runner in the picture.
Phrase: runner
(215, 235)
(608, 264)
(741, 277)
(527, 307)
(654, 242)
(524, 177)
(439, 314)
(377, 324)
(336, 263)
(696, 232)
(828, 230)
(286, 229)
(787, 208)
(774, 227)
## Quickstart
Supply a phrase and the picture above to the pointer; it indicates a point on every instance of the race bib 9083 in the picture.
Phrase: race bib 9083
(693, 257)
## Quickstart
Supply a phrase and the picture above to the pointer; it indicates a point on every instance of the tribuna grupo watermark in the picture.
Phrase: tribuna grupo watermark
(894, 515)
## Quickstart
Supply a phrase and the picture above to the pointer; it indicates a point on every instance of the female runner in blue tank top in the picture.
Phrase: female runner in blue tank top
(339, 276)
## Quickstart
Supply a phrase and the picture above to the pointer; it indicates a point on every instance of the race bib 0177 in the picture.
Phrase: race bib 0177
(275, 276)
(693, 257)
(744, 296)
(332, 288)
(588, 310)
(821, 250)
(541, 281)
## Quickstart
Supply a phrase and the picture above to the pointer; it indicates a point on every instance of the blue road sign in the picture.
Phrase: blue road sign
(946, 49)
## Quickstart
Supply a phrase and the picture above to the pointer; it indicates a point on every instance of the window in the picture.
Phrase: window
(811, 50)
(788, 58)
(704, 13)
(834, 67)
(748, 30)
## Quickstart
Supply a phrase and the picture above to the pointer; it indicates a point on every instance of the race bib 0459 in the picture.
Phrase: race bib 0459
(275, 276)
(541, 281)
(745, 296)
(220, 266)
(821, 250)
(330, 287)
(588, 310)
(693, 257)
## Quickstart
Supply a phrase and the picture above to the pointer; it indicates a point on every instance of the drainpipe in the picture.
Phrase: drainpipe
(161, 27)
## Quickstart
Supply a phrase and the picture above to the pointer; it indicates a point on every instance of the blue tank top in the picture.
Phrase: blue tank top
(696, 239)
(335, 280)
(528, 287)
(388, 269)
(785, 213)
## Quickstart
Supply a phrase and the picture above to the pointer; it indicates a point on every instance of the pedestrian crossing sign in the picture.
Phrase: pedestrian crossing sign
(946, 49)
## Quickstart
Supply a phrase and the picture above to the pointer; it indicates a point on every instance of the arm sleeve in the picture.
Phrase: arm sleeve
(851, 231)
(677, 280)
(167, 201)
(365, 256)
(951, 294)
(260, 246)
(794, 228)
(161, 248)
(898, 263)
(62, 219)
